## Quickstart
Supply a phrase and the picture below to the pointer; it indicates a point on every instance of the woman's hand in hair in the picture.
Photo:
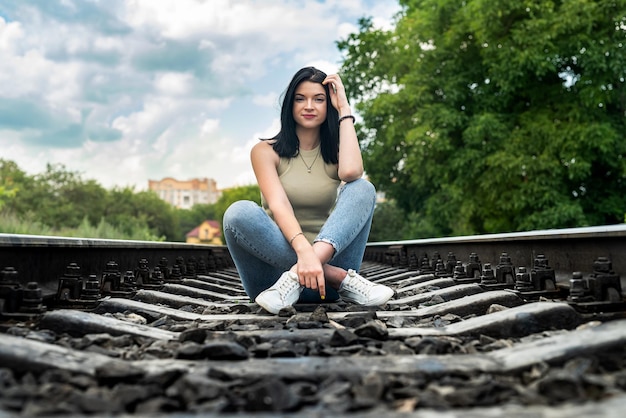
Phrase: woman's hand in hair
(338, 97)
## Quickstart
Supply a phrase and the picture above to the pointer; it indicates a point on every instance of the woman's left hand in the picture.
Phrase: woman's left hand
(338, 97)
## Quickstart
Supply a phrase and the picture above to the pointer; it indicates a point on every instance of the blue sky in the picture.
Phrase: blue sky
(123, 91)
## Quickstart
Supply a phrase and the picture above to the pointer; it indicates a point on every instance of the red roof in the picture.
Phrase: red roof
(193, 232)
(196, 231)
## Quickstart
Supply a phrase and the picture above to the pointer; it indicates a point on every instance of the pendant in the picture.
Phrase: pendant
(308, 170)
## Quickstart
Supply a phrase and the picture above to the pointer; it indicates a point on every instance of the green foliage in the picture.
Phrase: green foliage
(59, 197)
(388, 222)
(229, 196)
(11, 178)
(188, 219)
(105, 230)
(492, 115)
(60, 202)
(191, 218)
(11, 224)
(6, 194)
(127, 209)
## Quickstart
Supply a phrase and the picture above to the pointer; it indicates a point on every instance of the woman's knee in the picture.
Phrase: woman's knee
(368, 187)
(241, 210)
(362, 190)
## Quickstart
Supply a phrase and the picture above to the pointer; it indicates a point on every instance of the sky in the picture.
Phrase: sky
(126, 91)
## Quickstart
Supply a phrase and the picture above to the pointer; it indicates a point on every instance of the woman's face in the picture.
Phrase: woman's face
(309, 105)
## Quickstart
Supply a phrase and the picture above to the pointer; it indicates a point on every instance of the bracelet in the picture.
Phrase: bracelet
(295, 236)
(341, 119)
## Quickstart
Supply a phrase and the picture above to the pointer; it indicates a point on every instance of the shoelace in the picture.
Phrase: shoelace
(286, 286)
(360, 285)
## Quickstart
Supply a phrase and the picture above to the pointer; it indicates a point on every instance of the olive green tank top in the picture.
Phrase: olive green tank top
(312, 194)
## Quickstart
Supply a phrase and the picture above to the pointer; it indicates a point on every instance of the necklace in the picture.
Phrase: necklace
(309, 167)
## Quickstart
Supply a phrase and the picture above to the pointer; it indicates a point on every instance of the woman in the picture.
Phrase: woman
(307, 242)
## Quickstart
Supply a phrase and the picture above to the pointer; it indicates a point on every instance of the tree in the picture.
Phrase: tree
(57, 198)
(388, 222)
(229, 196)
(492, 115)
(61, 201)
(188, 219)
(11, 179)
(128, 210)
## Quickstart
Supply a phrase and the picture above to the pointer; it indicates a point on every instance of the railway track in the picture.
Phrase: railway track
(528, 324)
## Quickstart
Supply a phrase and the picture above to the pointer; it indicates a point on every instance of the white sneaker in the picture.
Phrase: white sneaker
(285, 292)
(356, 289)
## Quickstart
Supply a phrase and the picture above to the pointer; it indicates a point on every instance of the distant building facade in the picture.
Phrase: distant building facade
(184, 194)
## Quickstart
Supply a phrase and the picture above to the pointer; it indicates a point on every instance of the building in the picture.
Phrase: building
(208, 232)
(185, 194)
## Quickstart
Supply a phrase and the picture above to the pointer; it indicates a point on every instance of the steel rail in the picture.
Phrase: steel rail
(567, 250)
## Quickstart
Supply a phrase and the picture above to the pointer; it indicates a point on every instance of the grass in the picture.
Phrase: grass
(11, 224)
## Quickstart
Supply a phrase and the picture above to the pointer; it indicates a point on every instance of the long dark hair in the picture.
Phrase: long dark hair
(287, 143)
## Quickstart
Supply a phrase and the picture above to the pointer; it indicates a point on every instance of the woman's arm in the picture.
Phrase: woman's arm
(350, 161)
(265, 163)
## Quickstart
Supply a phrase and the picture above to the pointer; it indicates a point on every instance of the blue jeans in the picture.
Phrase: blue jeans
(261, 253)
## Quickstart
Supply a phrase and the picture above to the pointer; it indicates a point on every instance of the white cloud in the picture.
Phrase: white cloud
(267, 100)
(10, 33)
(150, 89)
(24, 75)
(174, 83)
(326, 66)
(209, 127)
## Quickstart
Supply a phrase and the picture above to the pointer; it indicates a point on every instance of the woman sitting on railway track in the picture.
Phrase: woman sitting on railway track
(307, 241)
